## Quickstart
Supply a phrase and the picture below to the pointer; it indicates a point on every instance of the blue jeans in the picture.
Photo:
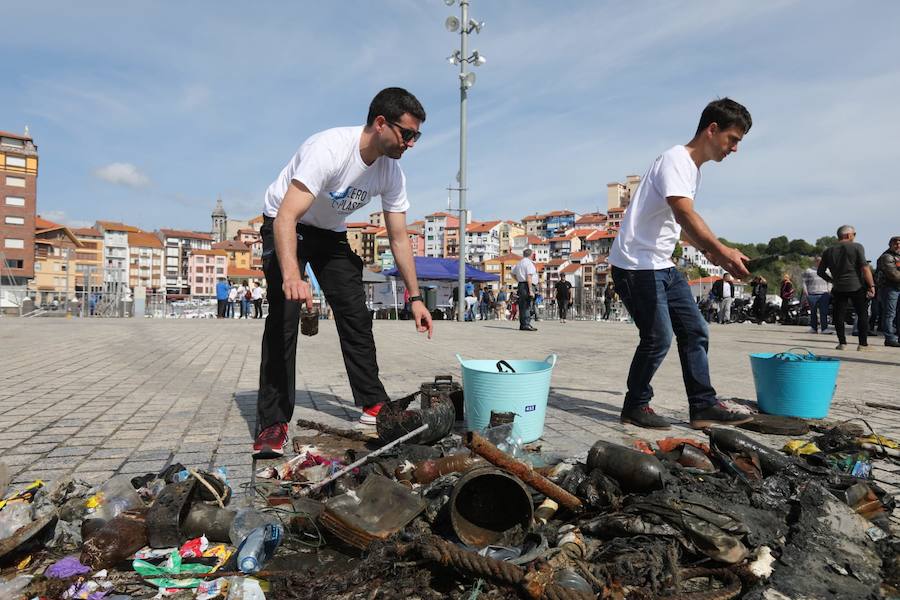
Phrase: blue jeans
(818, 310)
(660, 302)
(889, 299)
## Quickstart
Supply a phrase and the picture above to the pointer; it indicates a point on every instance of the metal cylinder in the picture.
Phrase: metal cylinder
(635, 471)
(485, 503)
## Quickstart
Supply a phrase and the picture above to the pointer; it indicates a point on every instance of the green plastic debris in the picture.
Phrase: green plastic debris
(172, 566)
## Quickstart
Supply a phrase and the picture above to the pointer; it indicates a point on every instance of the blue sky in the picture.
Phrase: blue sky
(145, 112)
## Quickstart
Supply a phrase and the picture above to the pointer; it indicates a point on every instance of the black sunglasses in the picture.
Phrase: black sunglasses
(407, 135)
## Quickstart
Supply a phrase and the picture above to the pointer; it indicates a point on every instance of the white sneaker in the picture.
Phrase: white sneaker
(812, 330)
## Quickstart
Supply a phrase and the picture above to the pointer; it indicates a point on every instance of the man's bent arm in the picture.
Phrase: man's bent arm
(731, 259)
(296, 202)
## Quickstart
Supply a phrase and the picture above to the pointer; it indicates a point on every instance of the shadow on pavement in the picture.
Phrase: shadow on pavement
(591, 409)
(612, 392)
(246, 404)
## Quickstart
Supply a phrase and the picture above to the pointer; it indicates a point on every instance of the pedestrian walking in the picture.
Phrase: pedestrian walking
(759, 290)
(334, 173)
(844, 267)
(246, 300)
(655, 293)
(526, 276)
(500, 304)
(564, 296)
(513, 306)
(888, 269)
(818, 296)
(232, 298)
(609, 295)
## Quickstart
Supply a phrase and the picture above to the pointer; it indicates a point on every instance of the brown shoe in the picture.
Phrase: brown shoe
(717, 414)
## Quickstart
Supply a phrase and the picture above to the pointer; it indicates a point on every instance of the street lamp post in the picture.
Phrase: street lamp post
(461, 57)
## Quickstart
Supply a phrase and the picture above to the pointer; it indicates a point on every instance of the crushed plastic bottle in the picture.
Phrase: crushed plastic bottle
(13, 588)
(13, 517)
(244, 588)
(259, 547)
(246, 520)
(112, 499)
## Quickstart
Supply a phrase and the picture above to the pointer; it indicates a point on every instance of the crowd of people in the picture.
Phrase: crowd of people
(244, 295)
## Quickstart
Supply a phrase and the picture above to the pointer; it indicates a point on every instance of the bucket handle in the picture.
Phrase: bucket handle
(809, 354)
(551, 360)
(459, 358)
(503, 363)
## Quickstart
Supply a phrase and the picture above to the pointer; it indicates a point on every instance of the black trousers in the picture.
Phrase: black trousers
(858, 299)
(562, 305)
(221, 306)
(524, 292)
(339, 272)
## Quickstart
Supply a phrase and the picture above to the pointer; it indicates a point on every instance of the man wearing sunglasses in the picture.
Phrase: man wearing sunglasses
(333, 174)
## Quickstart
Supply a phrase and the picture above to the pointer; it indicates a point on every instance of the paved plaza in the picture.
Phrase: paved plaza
(100, 397)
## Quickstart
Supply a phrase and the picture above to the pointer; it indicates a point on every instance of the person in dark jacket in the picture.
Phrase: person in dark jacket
(844, 266)
(759, 289)
(888, 270)
(786, 293)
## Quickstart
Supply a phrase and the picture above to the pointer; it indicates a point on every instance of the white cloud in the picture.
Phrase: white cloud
(59, 216)
(123, 174)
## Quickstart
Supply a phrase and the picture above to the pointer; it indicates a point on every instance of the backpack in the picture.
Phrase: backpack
(248, 295)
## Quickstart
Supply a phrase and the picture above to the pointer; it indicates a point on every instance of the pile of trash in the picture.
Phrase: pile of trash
(427, 510)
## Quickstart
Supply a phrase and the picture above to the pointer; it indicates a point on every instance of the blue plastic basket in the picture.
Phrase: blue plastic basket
(517, 386)
(794, 385)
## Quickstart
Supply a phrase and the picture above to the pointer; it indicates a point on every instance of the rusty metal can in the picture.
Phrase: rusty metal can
(309, 321)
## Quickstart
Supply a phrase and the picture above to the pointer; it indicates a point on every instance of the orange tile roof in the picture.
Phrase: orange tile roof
(710, 279)
(256, 219)
(231, 245)
(142, 239)
(236, 272)
(42, 223)
(481, 227)
(253, 231)
(533, 218)
(582, 232)
(555, 262)
(591, 218)
(559, 213)
(18, 136)
(580, 254)
(615, 210)
(600, 235)
(358, 225)
(180, 233)
(87, 232)
(116, 226)
(439, 214)
(570, 269)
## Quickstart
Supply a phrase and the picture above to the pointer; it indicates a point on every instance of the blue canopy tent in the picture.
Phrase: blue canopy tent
(443, 269)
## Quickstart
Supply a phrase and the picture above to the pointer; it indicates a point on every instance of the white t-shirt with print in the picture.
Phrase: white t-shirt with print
(330, 166)
(649, 231)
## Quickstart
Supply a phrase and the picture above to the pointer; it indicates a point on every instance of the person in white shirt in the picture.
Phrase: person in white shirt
(657, 295)
(818, 295)
(257, 295)
(526, 277)
(334, 173)
(232, 298)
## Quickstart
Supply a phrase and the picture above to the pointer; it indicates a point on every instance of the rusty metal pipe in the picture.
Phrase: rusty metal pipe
(523, 471)
(427, 471)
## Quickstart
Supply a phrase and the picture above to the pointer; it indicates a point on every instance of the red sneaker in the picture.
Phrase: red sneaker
(370, 414)
(270, 441)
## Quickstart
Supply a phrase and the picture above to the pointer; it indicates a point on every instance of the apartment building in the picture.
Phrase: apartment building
(509, 230)
(535, 225)
(145, 261)
(239, 254)
(205, 268)
(618, 195)
(89, 266)
(539, 246)
(482, 241)
(355, 231)
(18, 202)
(614, 217)
(599, 242)
(502, 267)
(564, 245)
(251, 238)
(557, 222)
(55, 258)
(179, 244)
(115, 252)
(436, 227)
(691, 256)
(591, 221)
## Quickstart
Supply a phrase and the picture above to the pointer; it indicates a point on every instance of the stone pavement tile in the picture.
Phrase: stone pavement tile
(151, 466)
(16, 460)
(92, 477)
(192, 458)
(227, 460)
(103, 464)
(44, 474)
(111, 453)
(62, 462)
(70, 451)
(32, 448)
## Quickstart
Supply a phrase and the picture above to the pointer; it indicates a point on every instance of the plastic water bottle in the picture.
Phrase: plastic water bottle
(259, 547)
(245, 521)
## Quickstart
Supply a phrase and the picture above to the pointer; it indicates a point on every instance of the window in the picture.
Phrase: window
(14, 243)
(15, 161)
(15, 181)
(37, 266)
(16, 263)
(15, 201)
(15, 220)
(7, 141)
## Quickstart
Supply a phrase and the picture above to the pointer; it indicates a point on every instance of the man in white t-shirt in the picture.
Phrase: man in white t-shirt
(657, 295)
(526, 276)
(334, 173)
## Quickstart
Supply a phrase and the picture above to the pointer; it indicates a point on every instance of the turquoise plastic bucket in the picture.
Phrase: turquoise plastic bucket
(517, 386)
(794, 385)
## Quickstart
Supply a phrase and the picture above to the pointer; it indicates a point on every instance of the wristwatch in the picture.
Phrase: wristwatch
(416, 298)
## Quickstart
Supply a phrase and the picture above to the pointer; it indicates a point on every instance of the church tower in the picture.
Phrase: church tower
(219, 222)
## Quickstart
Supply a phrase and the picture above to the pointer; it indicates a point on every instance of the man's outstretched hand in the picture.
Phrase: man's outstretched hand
(733, 261)
(422, 318)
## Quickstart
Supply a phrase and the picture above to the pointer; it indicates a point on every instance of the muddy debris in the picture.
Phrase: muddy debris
(475, 515)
